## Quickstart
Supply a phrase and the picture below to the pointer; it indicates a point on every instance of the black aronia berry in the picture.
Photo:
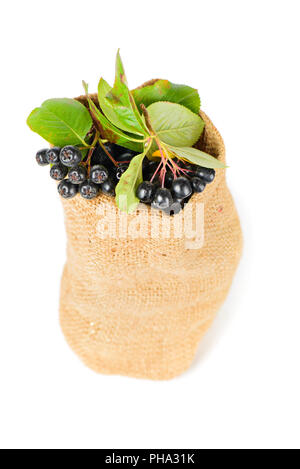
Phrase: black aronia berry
(88, 189)
(146, 191)
(174, 208)
(108, 187)
(125, 156)
(182, 188)
(52, 155)
(41, 157)
(163, 199)
(198, 184)
(206, 174)
(121, 170)
(101, 157)
(66, 189)
(99, 174)
(70, 156)
(78, 174)
(58, 172)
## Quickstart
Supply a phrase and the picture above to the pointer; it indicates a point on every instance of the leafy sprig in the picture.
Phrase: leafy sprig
(160, 120)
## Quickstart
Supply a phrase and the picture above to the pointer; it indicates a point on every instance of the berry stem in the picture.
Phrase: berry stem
(157, 169)
(90, 153)
(147, 120)
(163, 160)
(184, 170)
(164, 153)
(107, 152)
(177, 168)
(171, 168)
(163, 176)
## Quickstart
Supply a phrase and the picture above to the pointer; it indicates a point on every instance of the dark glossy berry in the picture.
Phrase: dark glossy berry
(114, 149)
(108, 187)
(169, 178)
(207, 174)
(188, 167)
(145, 163)
(98, 174)
(66, 189)
(41, 157)
(100, 157)
(88, 189)
(70, 156)
(182, 188)
(149, 170)
(145, 192)
(174, 208)
(78, 174)
(162, 199)
(119, 150)
(185, 201)
(198, 184)
(121, 170)
(125, 156)
(52, 155)
(58, 172)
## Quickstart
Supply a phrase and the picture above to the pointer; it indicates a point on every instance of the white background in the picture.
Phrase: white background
(243, 388)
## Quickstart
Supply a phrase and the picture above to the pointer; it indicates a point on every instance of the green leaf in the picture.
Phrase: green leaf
(175, 124)
(195, 156)
(106, 107)
(119, 99)
(164, 90)
(112, 133)
(61, 121)
(109, 110)
(126, 198)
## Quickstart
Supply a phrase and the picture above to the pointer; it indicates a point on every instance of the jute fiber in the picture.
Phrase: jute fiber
(139, 305)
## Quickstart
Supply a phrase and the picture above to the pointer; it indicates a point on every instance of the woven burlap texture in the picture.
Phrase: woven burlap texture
(139, 306)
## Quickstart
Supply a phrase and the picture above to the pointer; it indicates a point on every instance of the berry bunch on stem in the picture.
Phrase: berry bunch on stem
(169, 183)
(173, 180)
(98, 166)
(89, 170)
(160, 120)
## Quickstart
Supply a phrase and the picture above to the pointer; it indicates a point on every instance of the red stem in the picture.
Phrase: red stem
(108, 154)
(171, 168)
(163, 175)
(156, 171)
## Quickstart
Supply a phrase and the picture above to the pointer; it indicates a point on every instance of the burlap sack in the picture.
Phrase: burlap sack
(138, 305)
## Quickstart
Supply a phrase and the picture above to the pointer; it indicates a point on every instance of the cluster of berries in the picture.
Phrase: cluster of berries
(102, 170)
(86, 176)
(177, 190)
